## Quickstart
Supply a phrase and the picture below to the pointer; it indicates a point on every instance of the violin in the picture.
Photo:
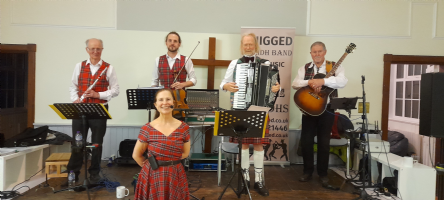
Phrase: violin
(180, 96)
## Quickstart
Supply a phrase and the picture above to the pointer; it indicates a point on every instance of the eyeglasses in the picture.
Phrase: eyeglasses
(94, 50)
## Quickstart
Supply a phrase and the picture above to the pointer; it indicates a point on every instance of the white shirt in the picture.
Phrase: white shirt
(335, 82)
(229, 74)
(188, 67)
(113, 88)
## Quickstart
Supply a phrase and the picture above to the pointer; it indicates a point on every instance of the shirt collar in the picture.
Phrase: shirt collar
(98, 64)
(175, 57)
(313, 64)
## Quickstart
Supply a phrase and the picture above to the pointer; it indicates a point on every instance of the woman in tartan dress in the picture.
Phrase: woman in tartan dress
(168, 140)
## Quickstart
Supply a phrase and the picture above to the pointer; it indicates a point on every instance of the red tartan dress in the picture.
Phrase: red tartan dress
(166, 182)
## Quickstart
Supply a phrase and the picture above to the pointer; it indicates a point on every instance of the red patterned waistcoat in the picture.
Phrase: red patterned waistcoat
(166, 75)
(86, 79)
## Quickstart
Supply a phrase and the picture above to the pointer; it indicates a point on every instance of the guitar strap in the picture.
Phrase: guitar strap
(328, 66)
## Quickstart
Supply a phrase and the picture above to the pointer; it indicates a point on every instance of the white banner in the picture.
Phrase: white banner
(276, 45)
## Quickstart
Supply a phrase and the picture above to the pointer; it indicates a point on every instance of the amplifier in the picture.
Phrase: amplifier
(206, 162)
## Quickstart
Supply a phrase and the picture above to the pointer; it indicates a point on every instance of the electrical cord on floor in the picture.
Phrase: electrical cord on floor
(14, 192)
(106, 182)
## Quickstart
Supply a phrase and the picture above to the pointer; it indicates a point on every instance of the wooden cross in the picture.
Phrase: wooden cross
(211, 62)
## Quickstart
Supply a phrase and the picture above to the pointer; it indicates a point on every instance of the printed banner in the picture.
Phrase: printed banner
(276, 45)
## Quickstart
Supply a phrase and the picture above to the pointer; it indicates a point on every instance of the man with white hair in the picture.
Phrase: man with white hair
(107, 87)
(321, 125)
(249, 48)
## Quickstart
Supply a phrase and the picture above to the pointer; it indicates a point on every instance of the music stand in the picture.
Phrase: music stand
(142, 99)
(239, 124)
(346, 104)
(81, 111)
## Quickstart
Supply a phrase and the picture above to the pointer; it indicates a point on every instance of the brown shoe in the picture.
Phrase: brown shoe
(305, 178)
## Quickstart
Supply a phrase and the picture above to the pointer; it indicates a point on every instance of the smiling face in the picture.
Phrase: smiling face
(94, 49)
(318, 54)
(248, 45)
(164, 101)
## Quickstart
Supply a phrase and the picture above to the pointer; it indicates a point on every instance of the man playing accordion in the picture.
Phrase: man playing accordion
(249, 47)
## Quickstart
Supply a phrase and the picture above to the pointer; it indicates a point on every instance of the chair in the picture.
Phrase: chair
(335, 145)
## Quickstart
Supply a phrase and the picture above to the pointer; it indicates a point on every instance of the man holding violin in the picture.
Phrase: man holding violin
(168, 70)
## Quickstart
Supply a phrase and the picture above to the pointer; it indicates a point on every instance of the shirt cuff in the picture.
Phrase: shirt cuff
(103, 96)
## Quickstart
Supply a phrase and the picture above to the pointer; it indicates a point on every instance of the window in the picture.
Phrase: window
(405, 90)
(13, 80)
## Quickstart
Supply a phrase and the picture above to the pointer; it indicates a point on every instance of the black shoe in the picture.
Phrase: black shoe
(94, 178)
(305, 178)
(261, 189)
(323, 180)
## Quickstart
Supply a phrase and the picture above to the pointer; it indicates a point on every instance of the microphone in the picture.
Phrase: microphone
(171, 106)
(93, 146)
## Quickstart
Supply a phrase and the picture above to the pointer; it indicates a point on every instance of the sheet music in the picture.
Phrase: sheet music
(258, 108)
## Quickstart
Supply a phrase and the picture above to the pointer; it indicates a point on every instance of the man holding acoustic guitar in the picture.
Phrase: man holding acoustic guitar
(313, 88)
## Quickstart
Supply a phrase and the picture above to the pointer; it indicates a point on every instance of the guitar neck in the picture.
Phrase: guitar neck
(333, 70)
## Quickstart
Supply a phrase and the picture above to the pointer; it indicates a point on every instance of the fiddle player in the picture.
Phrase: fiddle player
(167, 67)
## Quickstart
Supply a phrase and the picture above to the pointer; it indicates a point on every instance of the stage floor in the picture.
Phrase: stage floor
(282, 182)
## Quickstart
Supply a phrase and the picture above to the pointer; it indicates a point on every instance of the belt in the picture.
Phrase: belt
(168, 163)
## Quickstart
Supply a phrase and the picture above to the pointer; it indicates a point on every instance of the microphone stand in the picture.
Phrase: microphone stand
(363, 195)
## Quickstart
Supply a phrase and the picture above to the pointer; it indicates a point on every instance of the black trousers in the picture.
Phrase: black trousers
(98, 130)
(316, 126)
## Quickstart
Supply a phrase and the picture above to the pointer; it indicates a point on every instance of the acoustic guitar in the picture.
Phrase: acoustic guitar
(314, 103)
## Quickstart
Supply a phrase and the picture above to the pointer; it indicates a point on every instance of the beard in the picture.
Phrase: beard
(251, 53)
(172, 49)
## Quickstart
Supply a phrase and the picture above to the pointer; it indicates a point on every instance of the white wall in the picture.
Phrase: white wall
(375, 27)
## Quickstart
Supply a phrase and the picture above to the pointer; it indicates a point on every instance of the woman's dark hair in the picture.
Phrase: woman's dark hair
(174, 33)
(155, 99)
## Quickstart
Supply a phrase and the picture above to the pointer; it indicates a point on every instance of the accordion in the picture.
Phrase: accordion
(255, 81)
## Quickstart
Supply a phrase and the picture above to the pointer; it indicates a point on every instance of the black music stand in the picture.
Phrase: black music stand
(81, 111)
(141, 99)
(346, 104)
(239, 124)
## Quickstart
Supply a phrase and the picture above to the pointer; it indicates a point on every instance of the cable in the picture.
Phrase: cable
(388, 162)
(27, 179)
(430, 154)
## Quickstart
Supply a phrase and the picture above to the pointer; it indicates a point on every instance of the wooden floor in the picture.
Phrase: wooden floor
(282, 182)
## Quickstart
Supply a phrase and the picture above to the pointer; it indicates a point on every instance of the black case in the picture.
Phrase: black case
(153, 162)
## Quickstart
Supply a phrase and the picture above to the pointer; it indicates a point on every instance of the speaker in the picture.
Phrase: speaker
(431, 112)
(126, 148)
